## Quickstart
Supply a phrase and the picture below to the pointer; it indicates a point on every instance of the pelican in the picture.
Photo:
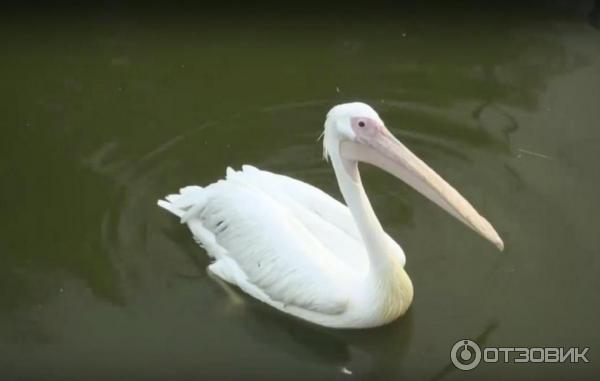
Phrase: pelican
(297, 249)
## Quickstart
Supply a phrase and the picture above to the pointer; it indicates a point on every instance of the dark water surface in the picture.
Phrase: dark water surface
(103, 114)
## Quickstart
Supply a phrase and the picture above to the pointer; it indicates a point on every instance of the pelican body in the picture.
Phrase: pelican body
(297, 249)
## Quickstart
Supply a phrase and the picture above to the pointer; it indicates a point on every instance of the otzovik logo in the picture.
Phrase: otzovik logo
(469, 355)
(466, 354)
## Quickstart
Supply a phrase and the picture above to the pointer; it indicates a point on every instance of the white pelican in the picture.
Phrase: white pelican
(297, 249)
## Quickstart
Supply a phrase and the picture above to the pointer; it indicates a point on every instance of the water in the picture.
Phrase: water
(106, 112)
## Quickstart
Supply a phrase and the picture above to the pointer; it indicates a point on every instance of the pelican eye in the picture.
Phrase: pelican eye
(361, 124)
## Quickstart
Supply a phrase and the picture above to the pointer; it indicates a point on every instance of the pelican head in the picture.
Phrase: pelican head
(354, 133)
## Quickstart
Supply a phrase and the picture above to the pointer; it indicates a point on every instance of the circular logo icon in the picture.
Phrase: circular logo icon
(465, 354)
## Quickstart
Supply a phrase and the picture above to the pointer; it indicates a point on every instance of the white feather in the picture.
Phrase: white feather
(267, 245)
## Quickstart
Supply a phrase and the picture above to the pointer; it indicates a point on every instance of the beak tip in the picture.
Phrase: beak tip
(500, 245)
(497, 241)
(492, 235)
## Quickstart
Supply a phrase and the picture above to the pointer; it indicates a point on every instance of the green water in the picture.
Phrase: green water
(103, 114)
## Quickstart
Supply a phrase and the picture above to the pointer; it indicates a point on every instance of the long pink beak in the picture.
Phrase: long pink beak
(385, 151)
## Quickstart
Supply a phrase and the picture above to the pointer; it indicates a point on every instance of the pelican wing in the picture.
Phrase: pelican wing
(327, 219)
(262, 246)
